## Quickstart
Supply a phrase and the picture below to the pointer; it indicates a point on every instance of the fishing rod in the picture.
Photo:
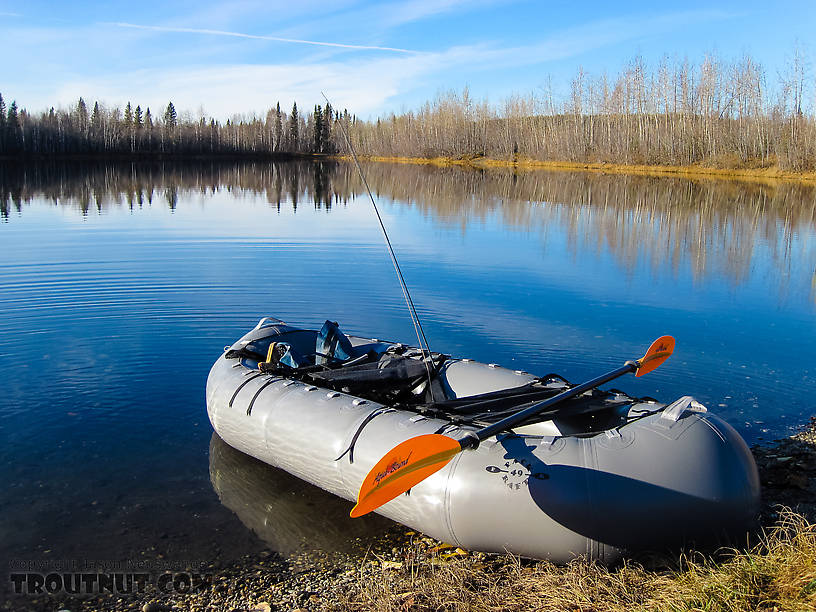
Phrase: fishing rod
(424, 347)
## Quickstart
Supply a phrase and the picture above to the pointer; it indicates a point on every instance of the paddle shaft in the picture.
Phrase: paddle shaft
(491, 430)
(413, 460)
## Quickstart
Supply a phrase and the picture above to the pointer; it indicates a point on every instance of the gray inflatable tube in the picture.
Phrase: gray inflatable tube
(655, 476)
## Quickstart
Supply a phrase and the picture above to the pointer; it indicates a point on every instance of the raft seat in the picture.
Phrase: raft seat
(304, 350)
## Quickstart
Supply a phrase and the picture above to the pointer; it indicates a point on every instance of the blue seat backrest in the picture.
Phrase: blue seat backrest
(332, 345)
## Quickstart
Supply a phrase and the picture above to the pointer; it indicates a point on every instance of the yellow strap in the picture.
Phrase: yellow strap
(270, 351)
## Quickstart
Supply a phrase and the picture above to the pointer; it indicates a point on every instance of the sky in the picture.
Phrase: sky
(241, 57)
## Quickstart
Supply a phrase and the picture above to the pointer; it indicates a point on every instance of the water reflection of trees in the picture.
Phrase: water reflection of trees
(88, 186)
(715, 226)
(712, 226)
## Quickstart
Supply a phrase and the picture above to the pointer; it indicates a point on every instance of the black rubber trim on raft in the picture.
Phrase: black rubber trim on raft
(366, 421)
(258, 392)
(243, 352)
(241, 386)
(445, 427)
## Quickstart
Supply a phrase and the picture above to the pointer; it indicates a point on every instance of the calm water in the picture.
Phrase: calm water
(120, 285)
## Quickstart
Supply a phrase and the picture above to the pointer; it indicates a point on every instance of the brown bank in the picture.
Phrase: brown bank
(723, 170)
(407, 571)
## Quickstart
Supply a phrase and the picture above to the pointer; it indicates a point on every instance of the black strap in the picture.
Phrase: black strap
(258, 392)
(371, 416)
(244, 352)
(280, 369)
(241, 386)
(444, 427)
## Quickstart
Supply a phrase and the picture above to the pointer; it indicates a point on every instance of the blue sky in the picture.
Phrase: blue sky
(242, 56)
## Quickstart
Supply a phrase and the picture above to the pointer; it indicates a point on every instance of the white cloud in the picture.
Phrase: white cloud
(363, 86)
(255, 37)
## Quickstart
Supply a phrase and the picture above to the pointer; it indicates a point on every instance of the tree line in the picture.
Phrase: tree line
(716, 112)
(137, 131)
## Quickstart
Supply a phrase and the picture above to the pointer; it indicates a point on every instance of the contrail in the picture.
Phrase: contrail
(256, 37)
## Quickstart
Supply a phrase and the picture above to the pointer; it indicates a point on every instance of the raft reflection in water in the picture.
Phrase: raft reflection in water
(290, 515)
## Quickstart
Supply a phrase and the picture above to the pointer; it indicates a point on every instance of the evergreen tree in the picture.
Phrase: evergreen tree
(137, 117)
(2, 126)
(128, 114)
(96, 117)
(96, 132)
(278, 127)
(14, 131)
(148, 126)
(293, 136)
(13, 117)
(82, 113)
(327, 126)
(170, 121)
(318, 129)
(170, 117)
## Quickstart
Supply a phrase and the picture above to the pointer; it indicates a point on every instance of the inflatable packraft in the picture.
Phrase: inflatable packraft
(609, 474)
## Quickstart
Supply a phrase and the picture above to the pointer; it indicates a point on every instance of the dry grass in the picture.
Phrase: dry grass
(722, 167)
(778, 573)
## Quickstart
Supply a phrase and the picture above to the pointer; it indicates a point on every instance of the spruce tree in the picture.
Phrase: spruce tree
(96, 117)
(2, 124)
(293, 130)
(96, 127)
(327, 126)
(170, 117)
(170, 121)
(14, 131)
(13, 117)
(82, 111)
(278, 127)
(137, 117)
(318, 129)
(148, 125)
(128, 114)
(82, 121)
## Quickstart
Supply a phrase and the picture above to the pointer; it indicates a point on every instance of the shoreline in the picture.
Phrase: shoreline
(409, 571)
(697, 171)
(159, 157)
(768, 175)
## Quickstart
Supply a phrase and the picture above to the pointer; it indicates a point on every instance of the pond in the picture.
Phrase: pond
(121, 283)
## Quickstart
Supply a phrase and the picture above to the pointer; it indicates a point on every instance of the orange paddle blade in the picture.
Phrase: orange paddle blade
(660, 351)
(405, 465)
